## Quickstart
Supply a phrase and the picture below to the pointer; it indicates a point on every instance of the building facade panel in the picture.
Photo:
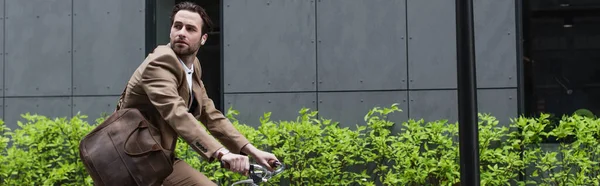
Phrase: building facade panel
(431, 44)
(432, 105)
(269, 46)
(94, 106)
(284, 106)
(2, 49)
(2, 109)
(47, 106)
(350, 108)
(38, 48)
(108, 38)
(495, 43)
(500, 103)
(361, 45)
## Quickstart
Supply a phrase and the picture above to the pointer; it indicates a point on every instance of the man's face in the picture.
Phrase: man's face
(186, 33)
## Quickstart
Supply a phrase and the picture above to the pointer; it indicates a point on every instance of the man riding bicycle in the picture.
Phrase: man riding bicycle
(167, 88)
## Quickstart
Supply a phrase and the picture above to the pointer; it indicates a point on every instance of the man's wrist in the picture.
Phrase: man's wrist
(220, 153)
(249, 149)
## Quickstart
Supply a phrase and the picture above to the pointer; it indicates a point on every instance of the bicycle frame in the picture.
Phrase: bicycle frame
(259, 174)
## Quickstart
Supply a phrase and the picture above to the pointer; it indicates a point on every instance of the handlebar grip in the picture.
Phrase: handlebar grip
(224, 165)
(274, 163)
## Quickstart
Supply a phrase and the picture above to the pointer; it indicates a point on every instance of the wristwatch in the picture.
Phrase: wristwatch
(222, 153)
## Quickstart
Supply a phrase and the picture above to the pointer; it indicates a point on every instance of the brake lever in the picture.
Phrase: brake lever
(255, 176)
(260, 174)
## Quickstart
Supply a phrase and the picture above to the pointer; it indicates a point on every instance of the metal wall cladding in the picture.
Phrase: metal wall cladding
(379, 46)
(284, 106)
(108, 42)
(500, 103)
(269, 45)
(495, 43)
(2, 109)
(2, 49)
(432, 105)
(47, 106)
(442, 104)
(54, 49)
(431, 44)
(361, 45)
(350, 108)
(94, 107)
(38, 47)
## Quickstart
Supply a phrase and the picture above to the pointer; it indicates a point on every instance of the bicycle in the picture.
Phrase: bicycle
(259, 174)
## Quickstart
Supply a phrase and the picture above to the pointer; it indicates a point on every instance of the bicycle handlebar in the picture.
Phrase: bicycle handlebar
(259, 173)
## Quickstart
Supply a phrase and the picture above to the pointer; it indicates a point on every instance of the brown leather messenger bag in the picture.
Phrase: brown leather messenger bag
(124, 150)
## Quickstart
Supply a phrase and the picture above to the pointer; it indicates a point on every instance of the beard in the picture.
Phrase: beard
(184, 49)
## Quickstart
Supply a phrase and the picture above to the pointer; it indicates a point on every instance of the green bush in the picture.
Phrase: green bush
(318, 152)
(44, 151)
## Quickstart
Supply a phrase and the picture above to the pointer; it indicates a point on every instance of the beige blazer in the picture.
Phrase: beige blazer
(159, 89)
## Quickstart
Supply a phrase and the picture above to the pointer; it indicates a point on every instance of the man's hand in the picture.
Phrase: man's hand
(236, 163)
(260, 156)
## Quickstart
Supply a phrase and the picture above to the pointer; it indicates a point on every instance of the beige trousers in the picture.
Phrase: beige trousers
(185, 175)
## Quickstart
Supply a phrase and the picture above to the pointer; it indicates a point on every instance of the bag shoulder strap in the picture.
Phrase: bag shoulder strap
(120, 102)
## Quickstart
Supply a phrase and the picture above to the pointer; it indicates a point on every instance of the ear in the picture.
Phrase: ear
(204, 38)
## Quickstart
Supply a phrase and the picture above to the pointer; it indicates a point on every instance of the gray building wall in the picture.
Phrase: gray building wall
(60, 57)
(278, 56)
(343, 57)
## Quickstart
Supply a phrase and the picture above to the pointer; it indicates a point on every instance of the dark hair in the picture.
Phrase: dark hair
(207, 24)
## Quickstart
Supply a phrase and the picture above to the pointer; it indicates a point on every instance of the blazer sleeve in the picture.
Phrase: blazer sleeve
(219, 126)
(159, 81)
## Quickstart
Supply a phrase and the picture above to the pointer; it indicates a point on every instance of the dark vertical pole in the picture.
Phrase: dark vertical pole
(467, 94)
(522, 98)
(222, 56)
(521, 109)
(150, 24)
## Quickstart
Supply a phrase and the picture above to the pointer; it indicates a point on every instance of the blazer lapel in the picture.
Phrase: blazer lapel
(196, 87)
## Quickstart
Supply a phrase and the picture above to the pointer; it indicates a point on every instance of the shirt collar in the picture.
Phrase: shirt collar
(187, 70)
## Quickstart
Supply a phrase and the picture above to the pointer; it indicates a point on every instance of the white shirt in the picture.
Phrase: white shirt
(188, 74)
